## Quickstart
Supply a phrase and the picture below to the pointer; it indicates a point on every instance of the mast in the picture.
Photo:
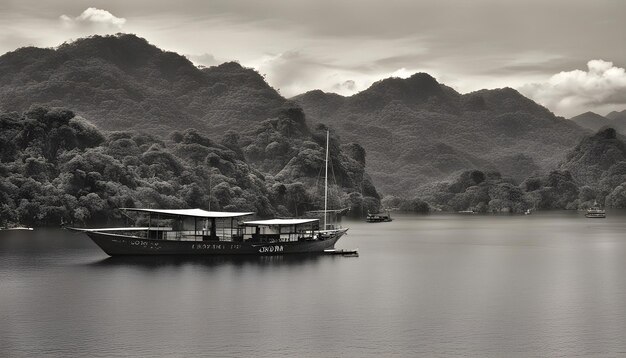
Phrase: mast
(326, 181)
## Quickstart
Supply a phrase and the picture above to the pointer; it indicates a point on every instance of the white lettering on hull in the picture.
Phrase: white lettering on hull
(145, 244)
(215, 247)
(271, 249)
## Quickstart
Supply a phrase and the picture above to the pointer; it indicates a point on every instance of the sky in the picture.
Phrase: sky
(568, 55)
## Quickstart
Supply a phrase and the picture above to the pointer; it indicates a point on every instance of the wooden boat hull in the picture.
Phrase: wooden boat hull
(378, 220)
(118, 245)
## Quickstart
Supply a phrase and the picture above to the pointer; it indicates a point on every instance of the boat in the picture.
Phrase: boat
(10, 226)
(378, 217)
(204, 232)
(16, 228)
(595, 212)
(466, 212)
(201, 232)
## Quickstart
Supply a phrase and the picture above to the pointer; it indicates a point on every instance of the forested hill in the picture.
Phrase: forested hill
(122, 81)
(599, 163)
(417, 130)
(594, 171)
(56, 167)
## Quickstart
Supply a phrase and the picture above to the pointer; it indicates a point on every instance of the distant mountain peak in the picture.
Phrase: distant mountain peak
(617, 115)
(589, 114)
(504, 99)
(418, 83)
(230, 66)
(591, 120)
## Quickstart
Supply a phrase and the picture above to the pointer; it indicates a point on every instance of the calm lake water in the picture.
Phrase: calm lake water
(546, 285)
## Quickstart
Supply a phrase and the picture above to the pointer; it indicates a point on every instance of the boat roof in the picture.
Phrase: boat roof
(113, 229)
(328, 211)
(280, 222)
(198, 213)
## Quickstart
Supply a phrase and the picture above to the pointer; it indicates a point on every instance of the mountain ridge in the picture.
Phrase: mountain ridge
(121, 80)
(495, 126)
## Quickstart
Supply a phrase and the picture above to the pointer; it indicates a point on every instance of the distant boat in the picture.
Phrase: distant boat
(378, 217)
(467, 212)
(595, 212)
(16, 228)
(528, 212)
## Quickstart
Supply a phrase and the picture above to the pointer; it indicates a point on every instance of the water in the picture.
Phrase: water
(550, 284)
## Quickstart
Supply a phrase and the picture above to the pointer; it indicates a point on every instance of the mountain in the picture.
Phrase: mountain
(599, 163)
(595, 170)
(615, 115)
(57, 167)
(591, 121)
(122, 81)
(224, 120)
(417, 131)
(619, 120)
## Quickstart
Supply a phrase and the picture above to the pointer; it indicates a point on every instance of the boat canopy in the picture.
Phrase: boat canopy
(197, 213)
(342, 210)
(113, 229)
(280, 222)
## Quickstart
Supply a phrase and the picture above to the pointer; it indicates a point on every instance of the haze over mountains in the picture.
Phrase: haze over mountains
(415, 131)
(594, 121)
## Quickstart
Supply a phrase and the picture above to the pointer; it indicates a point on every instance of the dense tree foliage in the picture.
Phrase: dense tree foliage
(122, 81)
(417, 131)
(288, 152)
(598, 163)
(594, 171)
(58, 168)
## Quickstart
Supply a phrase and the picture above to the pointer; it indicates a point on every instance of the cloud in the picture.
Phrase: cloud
(205, 59)
(294, 72)
(348, 85)
(93, 17)
(601, 88)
